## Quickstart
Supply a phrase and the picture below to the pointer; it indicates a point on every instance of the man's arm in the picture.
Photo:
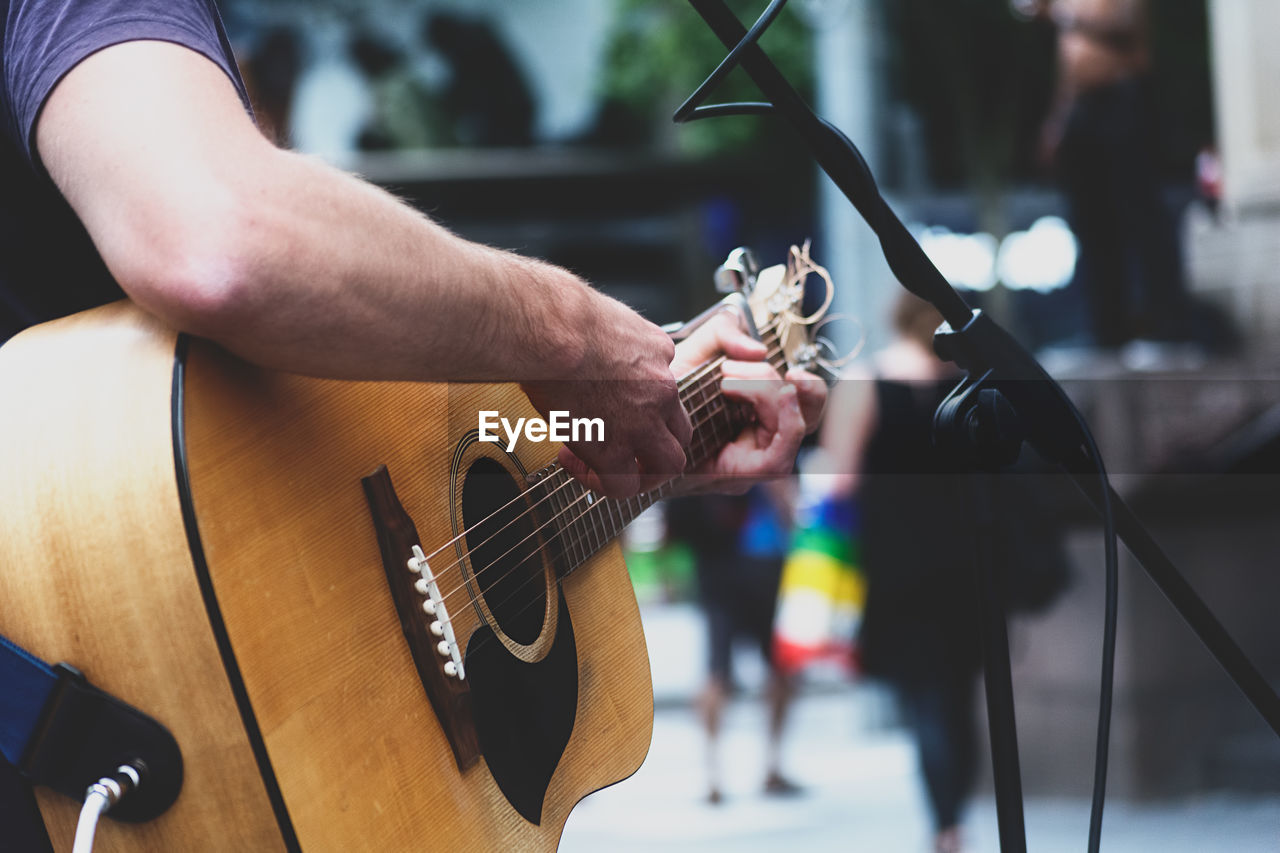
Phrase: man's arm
(286, 261)
(297, 266)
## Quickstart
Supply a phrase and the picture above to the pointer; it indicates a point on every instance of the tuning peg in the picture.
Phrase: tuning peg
(738, 272)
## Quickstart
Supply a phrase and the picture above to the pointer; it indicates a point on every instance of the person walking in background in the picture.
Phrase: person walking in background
(918, 632)
(739, 544)
(1103, 141)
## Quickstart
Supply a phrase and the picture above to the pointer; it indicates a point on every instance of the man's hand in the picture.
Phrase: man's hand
(785, 410)
(626, 381)
(722, 335)
(639, 454)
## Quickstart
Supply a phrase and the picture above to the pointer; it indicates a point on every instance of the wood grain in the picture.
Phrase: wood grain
(276, 463)
(94, 566)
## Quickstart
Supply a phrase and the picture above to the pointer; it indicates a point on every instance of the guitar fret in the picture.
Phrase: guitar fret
(603, 522)
(586, 517)
(577, 500)
(600, 521)
(716, 425)
(541, 498)
(615, 517)
(557, 526)
(589, 517)
(567, 521)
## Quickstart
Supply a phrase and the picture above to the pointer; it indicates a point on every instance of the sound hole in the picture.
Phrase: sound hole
(503, 549)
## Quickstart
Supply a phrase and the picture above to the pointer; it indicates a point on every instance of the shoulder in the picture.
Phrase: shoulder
(45, 40)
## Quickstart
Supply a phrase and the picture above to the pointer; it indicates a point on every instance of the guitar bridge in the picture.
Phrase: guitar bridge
(416, 592)
(433, 605)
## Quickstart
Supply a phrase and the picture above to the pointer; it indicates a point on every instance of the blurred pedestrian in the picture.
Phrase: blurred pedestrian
(488, 97)
(1104, 142)
(918, 631)
(739, 545)
(404, 114)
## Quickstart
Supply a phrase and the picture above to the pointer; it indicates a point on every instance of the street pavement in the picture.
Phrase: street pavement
(861, 792)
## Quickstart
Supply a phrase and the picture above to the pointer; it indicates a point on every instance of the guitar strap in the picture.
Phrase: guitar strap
(27, 683)
(59, 731)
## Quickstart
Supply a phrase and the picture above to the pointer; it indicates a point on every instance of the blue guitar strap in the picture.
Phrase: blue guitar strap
(26, 683)
(59, 731)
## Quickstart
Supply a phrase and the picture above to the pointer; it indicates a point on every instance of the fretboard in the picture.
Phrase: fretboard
(584, 521)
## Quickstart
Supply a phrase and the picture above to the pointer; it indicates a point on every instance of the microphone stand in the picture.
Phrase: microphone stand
(1005, 399)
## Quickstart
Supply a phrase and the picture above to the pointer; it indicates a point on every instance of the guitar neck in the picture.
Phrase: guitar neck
(584, 522)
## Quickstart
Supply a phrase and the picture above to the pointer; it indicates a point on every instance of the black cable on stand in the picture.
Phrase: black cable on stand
(1005, 396)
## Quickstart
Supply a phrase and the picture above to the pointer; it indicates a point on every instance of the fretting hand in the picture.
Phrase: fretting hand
(784, 411)
(626, 381)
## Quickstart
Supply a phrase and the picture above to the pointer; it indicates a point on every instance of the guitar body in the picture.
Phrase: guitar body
(263, 621)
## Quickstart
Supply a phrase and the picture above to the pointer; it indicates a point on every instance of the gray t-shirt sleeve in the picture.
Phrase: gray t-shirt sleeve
(44, 39)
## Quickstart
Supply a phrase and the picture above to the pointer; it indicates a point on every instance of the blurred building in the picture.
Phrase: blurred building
(1235, 256)
(1195, 451)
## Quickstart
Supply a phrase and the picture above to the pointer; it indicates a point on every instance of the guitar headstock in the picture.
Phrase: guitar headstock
(774, 301)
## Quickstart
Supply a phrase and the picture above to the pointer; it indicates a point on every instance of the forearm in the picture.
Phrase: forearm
(286, 261)
(335, 277)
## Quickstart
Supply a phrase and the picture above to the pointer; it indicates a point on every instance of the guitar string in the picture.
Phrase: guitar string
(702, 384)
(529, 511)
(562, 531)
(570, 538)
(701, 388)
(579, 539)
(697, 374)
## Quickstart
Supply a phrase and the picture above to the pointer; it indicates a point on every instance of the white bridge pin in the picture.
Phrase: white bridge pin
(433, 605)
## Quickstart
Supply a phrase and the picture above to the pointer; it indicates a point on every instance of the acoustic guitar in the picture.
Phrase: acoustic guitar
(366, 628)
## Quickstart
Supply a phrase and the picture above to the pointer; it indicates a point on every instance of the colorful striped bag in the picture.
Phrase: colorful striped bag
(822, 591)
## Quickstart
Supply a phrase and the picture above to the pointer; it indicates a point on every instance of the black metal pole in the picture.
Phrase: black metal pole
(1225, 650)
(996, 671)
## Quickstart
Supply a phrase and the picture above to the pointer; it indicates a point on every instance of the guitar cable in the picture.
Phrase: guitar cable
(99, 799)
